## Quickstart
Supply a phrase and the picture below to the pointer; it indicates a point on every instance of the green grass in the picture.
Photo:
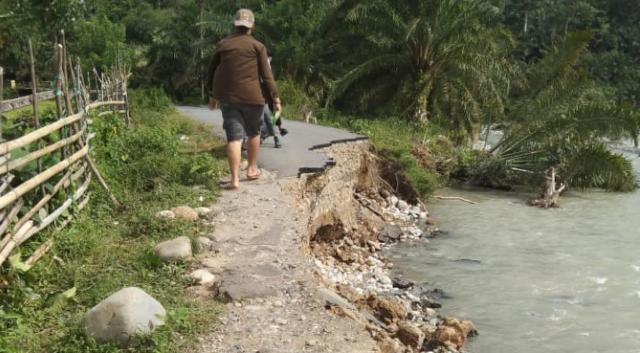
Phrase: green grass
(395, 139)
(104, 250)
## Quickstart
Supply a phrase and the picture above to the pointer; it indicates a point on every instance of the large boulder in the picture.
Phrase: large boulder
(122, 316)
(186, 213)
(174, 250)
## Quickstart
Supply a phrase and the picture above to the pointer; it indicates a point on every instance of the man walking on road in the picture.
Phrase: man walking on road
(239, 65)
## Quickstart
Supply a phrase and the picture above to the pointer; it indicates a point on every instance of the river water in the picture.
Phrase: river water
(532, 280)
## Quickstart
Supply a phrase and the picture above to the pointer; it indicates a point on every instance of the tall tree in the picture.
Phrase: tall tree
(439, 60)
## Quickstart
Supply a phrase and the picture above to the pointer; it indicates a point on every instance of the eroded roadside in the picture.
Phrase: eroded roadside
(299, 263)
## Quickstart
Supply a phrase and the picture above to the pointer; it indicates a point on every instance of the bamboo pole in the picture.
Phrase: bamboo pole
(78, 173)
(17, 163)
(11, 242)
(103, 183)
(75, 89)
(41, 178)
(9, 146)
(1, 98)
(12, 214)
(42, 202)
(84, 202)
(39, 253)
(44, 224)
(127, 116)
(34, 92)
(58, 93)
(6, 182)
(65, 87)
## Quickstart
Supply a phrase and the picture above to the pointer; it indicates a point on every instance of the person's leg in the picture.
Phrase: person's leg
(253, 116)
(234, 156)
(233, 126)
(254, 148)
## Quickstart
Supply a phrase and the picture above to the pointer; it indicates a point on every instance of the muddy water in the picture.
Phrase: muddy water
(564, 280)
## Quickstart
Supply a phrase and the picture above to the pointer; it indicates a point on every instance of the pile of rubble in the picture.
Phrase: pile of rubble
(399, 314)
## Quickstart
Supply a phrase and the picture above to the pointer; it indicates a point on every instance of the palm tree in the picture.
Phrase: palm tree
(560, 119)
(428, 59)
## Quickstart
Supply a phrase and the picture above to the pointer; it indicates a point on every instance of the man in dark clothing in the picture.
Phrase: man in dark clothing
(238, 67)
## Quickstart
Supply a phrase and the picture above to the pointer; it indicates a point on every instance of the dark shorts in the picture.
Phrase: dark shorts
(240, 120)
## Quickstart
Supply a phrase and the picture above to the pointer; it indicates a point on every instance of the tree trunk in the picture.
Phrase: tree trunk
(551, 195)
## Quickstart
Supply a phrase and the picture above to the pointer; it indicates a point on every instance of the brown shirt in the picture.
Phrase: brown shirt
(239, 65)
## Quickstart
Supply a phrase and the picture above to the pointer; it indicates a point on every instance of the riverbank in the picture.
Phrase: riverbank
(299, 263)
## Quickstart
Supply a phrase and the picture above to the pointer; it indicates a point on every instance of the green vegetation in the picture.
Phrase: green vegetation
(534, 69)
(105, 250)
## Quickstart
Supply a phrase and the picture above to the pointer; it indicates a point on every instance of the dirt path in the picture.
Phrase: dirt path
(275, 304)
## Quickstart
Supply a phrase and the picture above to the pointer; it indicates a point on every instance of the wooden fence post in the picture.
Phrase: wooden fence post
(127, 114)
(1, 98)
(34, 92)
(58, 94)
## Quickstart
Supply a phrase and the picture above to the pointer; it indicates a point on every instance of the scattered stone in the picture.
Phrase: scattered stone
(453, 332)
(403, 206)
(393, 200)
(401, 283)
(186, 213)
(332, 298)
(280, 321)
(410, 335)
(203, 277)
(311, 343)
(203, 211)
(390, 345)
(390, 233)
(174, 250)
(205, 244)
(166, 214)
(387, 308)
(122, 316)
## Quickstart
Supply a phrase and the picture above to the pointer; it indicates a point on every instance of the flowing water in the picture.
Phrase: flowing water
(532, 280)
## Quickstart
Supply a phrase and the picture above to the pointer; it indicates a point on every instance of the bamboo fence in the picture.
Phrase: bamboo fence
(52, 195)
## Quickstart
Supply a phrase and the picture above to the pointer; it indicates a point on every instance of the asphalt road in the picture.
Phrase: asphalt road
(299, 148)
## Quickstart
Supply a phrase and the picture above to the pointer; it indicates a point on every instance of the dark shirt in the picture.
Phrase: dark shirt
(238, 67)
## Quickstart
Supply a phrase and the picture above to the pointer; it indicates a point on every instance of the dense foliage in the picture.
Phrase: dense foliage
(556, 75)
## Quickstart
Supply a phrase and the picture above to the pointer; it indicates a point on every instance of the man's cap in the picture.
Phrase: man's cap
(244, 18)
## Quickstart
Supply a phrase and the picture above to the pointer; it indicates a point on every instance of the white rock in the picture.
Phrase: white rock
(123, 315)
(203, 277)
(393, 200)
(203, 211)
(204, 243)
(403, 206)
(175, 249)
(424, 215)
(166, 214)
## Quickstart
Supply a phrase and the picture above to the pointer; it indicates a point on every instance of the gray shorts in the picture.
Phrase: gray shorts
(240, 120)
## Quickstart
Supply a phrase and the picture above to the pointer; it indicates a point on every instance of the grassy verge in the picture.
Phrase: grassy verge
(152, 167)
(423, 156)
